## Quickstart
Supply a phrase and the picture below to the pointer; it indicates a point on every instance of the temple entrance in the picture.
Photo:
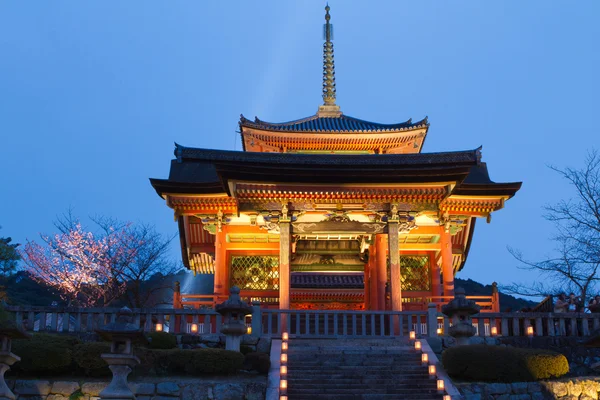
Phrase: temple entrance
(327, 272)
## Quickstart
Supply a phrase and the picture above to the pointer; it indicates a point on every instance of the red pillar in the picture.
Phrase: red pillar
(381, 243)
(447, 268)
(373, 296)
(221, 286)
(436, 285)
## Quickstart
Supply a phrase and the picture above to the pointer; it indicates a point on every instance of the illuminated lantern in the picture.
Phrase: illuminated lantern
(412, 335)
(417, 345)
(424, 358)
(285, 336)
(431, 371)
(494, 331)
(284, 346)
(194, 328)
(158, 327)
(284, 358)
(283, 384)
(283, 370)
(440, 385)
(530, 331)
(439, 331)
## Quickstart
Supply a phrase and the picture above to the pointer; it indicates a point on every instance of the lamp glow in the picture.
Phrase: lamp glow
(194, 328)
(530, 331)
(284, 358)
(424, 358)
(447, 397)
(439, 331)
(412, 335)
(283, 370)
(283, 384)
(440, 385)
(417, 345)
(432, 370)
(285, 336)
(283, 398)
(494, 331)
(158, 327)
(249, 330)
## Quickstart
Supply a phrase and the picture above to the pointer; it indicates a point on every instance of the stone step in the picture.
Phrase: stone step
(414, 396)
(349, 391)
(367, 382)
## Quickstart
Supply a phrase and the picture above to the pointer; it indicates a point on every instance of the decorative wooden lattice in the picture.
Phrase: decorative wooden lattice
(255, 272)
(415, 271)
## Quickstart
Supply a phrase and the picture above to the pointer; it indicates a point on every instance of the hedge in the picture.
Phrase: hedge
(189, 362)
(87, 358)
(162, 340)
(44, 353)
(260, 362)
(503, 364)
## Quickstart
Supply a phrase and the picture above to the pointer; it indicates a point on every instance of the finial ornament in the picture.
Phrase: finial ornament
(328, 63)
(329, 108)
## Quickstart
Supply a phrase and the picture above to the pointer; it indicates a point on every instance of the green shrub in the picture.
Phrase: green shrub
(245, 349)
(188, 362)
(87, 357)
(162, 340)
(44, 353)
(214, 361)
(260, 362)
(503, 364)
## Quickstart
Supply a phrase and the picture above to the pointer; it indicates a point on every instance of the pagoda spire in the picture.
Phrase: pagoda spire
(329, 108)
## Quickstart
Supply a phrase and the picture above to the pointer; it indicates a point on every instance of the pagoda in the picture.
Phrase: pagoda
(330, 211)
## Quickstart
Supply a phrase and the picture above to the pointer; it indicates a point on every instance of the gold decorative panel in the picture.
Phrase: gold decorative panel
(255, 272)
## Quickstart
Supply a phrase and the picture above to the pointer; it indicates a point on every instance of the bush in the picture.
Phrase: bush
(44, 353)
(87, 357)
(245, 349)
(188, 362)
(260, 362)
(503, 364)
(214, 361)
(162, 340)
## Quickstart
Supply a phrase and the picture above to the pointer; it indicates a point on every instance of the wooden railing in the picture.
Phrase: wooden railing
(335, 323)
(68, 319)
(309, 323)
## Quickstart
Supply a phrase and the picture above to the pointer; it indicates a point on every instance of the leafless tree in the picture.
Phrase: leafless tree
(574, 267)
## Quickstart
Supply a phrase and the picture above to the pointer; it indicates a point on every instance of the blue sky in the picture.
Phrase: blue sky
(95, 93)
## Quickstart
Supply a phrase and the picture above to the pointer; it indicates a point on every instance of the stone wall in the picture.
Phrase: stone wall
(562, 389)
(231, 388)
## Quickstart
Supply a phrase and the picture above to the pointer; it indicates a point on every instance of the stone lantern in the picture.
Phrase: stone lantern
(8, 332)
(460, 311)
(234, 311)
(122, 334)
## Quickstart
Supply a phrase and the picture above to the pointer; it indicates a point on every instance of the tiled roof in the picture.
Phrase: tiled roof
(468, 157)
(327, 281)
(339, 124)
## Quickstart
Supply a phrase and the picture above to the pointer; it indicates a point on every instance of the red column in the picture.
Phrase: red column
(447, 268)
(381, 243)
(373, 296)
(436, 286)
(221, 286)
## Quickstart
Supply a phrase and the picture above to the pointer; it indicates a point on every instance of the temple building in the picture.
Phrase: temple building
(330, 211)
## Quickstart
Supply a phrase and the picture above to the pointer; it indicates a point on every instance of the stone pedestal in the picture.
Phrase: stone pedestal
(6, 360)
(121, 366)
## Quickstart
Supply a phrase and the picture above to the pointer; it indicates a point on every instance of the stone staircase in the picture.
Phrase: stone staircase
(349, 369)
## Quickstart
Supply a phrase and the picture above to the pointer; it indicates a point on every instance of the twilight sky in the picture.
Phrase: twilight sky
(94, 93)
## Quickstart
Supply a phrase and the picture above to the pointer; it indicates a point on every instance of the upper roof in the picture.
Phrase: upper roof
(203, 171)
(339, 124)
